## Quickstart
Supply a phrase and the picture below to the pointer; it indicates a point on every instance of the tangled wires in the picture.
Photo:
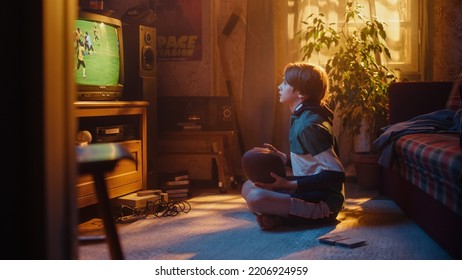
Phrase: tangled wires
(157, 208)
(160, 208)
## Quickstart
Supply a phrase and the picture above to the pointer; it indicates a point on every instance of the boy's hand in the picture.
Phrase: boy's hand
(282, 155)
(279, 183)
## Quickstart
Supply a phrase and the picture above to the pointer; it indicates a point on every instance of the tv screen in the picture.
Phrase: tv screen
(98, 59)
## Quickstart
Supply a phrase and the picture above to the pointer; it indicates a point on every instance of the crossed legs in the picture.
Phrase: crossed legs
(269, 206)
(272, 207)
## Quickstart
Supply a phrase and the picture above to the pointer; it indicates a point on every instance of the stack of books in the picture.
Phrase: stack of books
(176, 184)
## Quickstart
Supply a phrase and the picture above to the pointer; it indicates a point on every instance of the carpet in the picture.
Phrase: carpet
(220, 227)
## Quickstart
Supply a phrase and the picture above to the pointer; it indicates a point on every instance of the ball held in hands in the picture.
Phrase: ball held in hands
(258, 163)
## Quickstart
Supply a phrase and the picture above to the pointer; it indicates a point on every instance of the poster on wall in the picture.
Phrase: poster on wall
(179, 30)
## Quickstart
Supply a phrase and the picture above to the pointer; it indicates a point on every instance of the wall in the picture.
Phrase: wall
(206, 77)
(180, 77)
(447, 52)
(202, 77)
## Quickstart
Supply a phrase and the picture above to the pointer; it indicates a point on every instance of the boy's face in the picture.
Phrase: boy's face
(287, 94)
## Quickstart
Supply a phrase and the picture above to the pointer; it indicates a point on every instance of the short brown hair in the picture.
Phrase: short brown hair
(311, 80)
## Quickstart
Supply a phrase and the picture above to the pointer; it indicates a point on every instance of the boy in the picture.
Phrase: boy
(315, 192)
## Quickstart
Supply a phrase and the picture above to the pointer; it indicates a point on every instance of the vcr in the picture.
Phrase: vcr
(113, 129)
(115, 133)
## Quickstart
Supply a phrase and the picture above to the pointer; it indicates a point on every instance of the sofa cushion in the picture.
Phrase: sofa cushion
(432, 162)
(454, 99)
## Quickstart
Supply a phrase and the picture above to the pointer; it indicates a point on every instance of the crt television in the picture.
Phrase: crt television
(98, 59)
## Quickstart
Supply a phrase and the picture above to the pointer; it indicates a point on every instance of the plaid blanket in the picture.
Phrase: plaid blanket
(434, 122)
(432, 162)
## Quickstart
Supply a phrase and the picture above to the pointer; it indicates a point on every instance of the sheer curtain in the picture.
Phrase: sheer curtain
(270, 45)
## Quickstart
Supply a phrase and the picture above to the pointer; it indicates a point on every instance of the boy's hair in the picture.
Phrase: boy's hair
(311, 80)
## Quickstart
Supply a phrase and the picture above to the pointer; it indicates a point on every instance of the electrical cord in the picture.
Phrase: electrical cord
(160, 208)
(157, 208)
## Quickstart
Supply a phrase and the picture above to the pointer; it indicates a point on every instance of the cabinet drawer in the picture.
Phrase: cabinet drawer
(126, 177)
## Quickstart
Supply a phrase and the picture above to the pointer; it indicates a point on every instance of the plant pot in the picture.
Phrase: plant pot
(367, 169)
(362, 142)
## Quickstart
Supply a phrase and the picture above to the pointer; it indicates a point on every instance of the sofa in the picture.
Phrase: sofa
(421, 157)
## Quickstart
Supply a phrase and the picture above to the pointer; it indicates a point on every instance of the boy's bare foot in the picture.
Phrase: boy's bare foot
(268, 222)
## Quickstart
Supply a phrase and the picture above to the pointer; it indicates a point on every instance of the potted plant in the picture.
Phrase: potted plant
(358, 78)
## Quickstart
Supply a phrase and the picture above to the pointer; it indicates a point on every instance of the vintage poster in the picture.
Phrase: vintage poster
(179, 30)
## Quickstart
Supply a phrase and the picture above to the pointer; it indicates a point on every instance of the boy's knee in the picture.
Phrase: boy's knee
(247, 187)
(255, 200)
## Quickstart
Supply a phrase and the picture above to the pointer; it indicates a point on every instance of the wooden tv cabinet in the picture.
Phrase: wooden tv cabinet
(102, 119)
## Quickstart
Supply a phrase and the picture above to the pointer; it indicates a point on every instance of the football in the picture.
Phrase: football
(258, 163)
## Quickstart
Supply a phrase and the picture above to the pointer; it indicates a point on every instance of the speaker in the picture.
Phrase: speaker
(147, 43)
(220, 113)
(200, 112)
(140, 83)
(140, 62)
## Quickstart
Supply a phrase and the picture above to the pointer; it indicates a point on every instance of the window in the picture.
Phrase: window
(404, 27)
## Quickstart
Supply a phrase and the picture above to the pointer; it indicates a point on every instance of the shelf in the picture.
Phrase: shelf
(187, 148)
(128, 176)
